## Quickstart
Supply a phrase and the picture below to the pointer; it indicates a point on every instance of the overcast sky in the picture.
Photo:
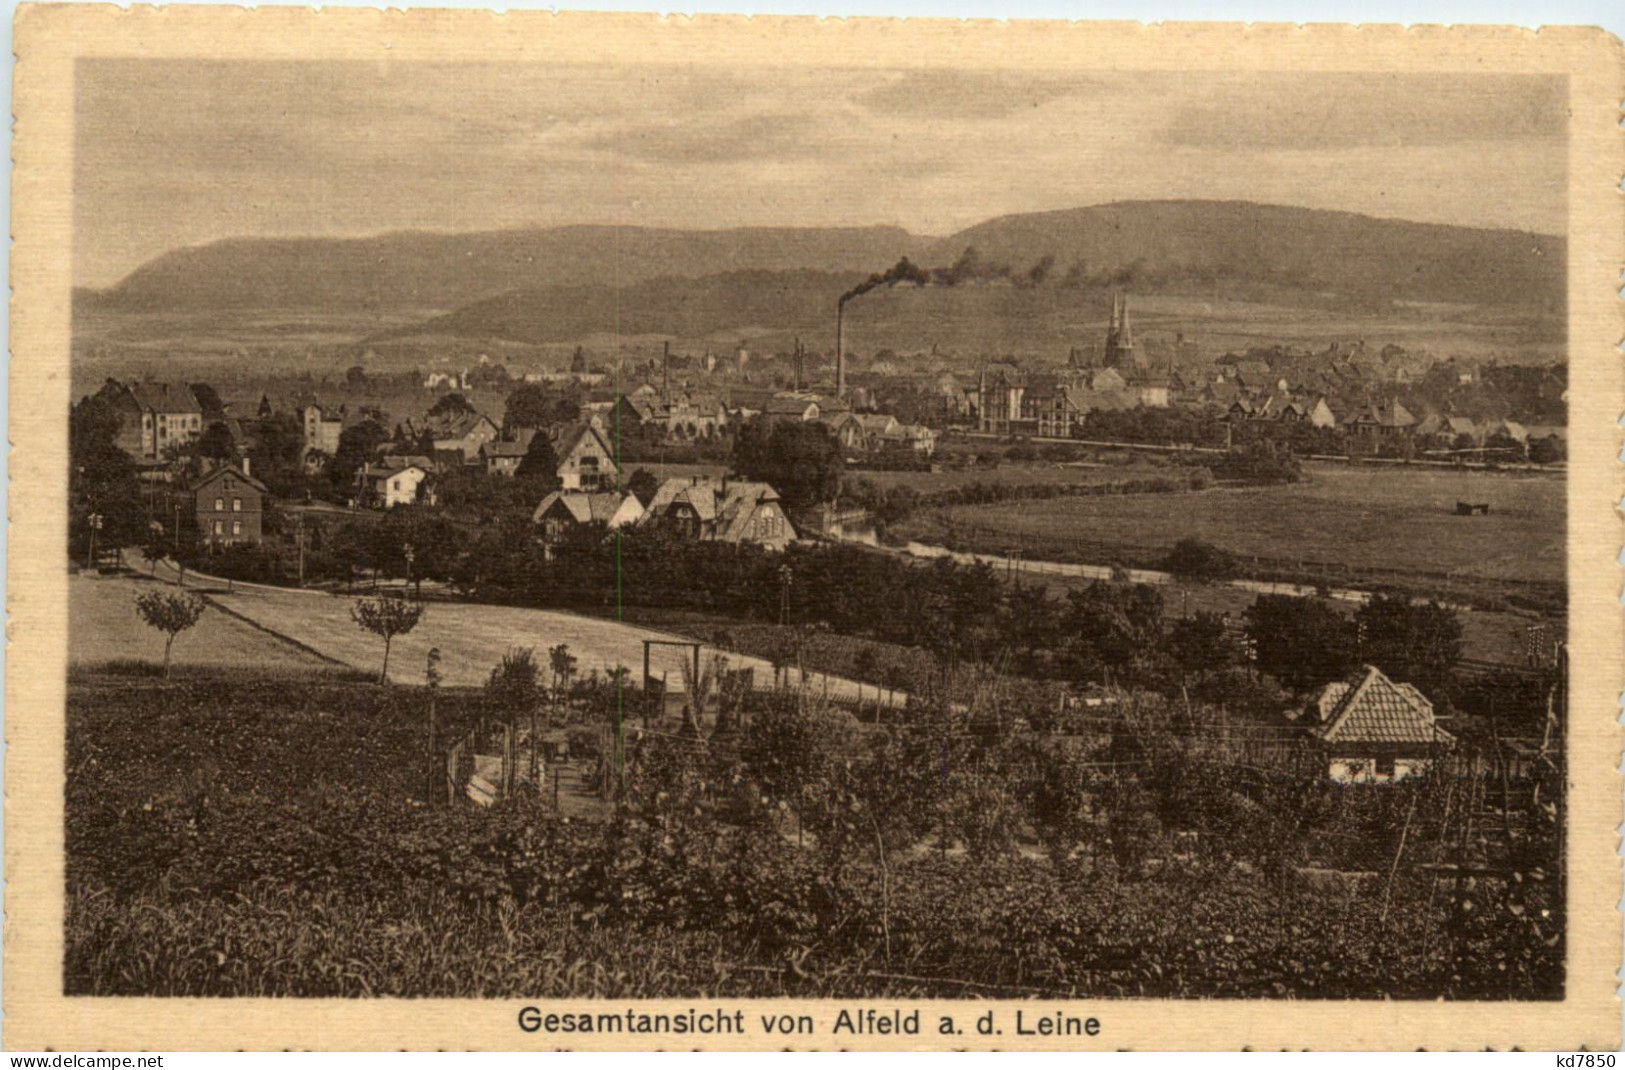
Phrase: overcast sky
(171, 153)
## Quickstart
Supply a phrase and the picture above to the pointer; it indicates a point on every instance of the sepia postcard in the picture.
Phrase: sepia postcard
(578, 531)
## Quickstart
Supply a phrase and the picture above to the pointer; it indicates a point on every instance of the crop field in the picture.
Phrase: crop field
(1376, 518)
(472, 639)
(1016, 475)
(103, 627)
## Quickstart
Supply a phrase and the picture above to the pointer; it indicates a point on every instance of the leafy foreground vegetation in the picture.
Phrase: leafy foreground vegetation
(233, 834)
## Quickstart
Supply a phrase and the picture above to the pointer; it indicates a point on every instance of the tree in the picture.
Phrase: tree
(275, 456)
(1419, 644)
(802, 461)
(563, 664)
(1199, 560)
(1198, 644)
(209, 401)
(540, 464)
(355, 375)
(1301, 642)
(171, 613)
(217, 443)
(101, 480)
(1548, 450)
(452, 404)
(644, 484)
(357, 445)
(536, 405)
(515, 694)
(386, 618)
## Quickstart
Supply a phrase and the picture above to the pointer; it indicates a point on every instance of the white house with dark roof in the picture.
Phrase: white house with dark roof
(387, 486)
(1373, 730)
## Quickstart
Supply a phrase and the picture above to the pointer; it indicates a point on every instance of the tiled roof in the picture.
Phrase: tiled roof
(1370, 708)
(165, 398)
(224, 470)
(583, 507)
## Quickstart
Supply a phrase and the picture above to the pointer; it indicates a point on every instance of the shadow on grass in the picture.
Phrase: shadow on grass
(137, 668)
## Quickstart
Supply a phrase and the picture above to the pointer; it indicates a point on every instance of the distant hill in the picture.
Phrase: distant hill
(560, 283)
(1357, 256)
(687, 308)
(445, 271)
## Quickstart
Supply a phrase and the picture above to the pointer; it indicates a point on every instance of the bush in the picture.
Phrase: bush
(1198, 560)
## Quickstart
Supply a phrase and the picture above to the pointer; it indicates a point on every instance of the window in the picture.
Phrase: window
(236, 505)
(396, 485)
(236, 527)
(219, 527)
(220, 505)
(1385, 766)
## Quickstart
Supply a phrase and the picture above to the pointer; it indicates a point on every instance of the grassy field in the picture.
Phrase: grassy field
(473, 638)
(1362, 517)
(103, 627)
(1018, 475)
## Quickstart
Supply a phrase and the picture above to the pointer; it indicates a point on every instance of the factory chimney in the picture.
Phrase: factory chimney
(840, 348)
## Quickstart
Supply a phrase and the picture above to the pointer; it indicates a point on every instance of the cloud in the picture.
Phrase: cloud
(754, 137)
(940, 94)
(1273, 113)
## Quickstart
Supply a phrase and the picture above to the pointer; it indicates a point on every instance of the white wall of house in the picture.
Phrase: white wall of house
(401, 488)
(1369, 770)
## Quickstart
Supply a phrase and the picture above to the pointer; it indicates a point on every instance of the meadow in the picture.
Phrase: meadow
(103, 627)
(1123, 467)
(1376, 518)
(471, 639)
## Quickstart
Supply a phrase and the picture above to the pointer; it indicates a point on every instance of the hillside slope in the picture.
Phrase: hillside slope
(1357, 256)
(445, 271)
(1141, 244)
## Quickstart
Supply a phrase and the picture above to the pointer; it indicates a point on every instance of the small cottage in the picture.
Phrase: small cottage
(1373, 730)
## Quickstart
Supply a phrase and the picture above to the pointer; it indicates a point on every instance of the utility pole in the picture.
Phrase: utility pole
(95, 521)
(300, 522)
(431, 677)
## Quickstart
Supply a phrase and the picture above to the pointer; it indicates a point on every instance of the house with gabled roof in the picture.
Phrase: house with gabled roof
(465, 432)
(228, 506)
(585, 460)
(502, 458)
(564, 512)
(721, 510)
(1384, 420)
(386, 486)
(157, 417)
(1373, 730)
(792, 406)
(1000, 388)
